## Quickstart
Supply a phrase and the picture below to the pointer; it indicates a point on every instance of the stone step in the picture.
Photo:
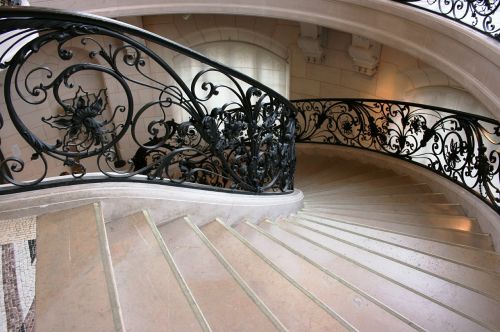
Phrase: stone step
(419, 309)
(400, 224)
(152, 293)
(487, 261)
(334, 183)
(487, 284)
(373, 199)
(394, 189)
(283, 297)
(226, 303)
(483, 309)
(366, 185)
(416, 208)
(360, 310)
(75, 288)
(327, 175)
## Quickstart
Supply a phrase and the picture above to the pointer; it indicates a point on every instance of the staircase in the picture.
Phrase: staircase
(370, 251)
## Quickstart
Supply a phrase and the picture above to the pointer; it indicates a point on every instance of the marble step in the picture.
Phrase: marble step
(361, 311)
(75, 289)
(327, 175)
(414, 225)
(487, 261)
(373, 199)
(416, 208)
(329, 183)
(487, 284)
(483, 309)
(419, 309)
(152, 293)
(226, 302)
(366, 185)
(394, 189)
(297, 309)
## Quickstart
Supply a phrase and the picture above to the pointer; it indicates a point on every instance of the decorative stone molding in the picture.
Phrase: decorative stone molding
(365, 55)
(312, 41)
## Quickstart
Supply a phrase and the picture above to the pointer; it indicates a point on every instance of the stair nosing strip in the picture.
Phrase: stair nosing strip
(285, 275)
(109, 274)
(236, 276)
(464, 315)
(202, 321)
(395, 260)
(493, 253)
(402, 246)
(336, 277)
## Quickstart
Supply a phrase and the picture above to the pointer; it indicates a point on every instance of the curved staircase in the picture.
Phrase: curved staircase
(370, 251)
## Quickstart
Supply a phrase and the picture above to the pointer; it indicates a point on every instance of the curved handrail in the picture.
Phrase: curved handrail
(480, 15)
(239, 136)
(465, 148)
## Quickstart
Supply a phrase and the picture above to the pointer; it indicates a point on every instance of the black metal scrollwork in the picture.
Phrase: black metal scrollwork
(481, 15)
(128, 125)
(462, 147)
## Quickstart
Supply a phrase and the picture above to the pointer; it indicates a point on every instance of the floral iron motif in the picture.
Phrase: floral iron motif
(481, 15)
(243, 143)
(462, 147)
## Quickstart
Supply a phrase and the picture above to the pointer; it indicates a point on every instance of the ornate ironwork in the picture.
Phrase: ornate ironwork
(463, 147)
(236, 135)
(481, 15)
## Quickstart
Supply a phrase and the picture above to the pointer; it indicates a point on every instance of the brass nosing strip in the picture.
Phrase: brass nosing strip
(246, 288)
(477, 268)
(108, 270)
(389, 279)
(338, 278)
(392, 259)
(285, 275)
(178, 276)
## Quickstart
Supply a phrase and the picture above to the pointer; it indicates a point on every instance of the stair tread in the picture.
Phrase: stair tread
(472, 257)
(439, 290)
(281, 296)
(150, 295)
(417, 208)
(220, 297)
(395, 188)
(356, 308)
(485, 283)
(372, 199)
(70, 276)
(430, 315)
(480, 241)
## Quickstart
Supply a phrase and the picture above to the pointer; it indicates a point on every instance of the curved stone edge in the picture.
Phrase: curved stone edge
(164, 203)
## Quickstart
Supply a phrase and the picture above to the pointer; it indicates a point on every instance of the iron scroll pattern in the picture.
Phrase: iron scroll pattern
(464, 148)
(481, 15)
(242, 142)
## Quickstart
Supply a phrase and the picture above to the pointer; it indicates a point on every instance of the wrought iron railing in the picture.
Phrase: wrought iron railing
(88, 94)
(464, 148)
(480, 15)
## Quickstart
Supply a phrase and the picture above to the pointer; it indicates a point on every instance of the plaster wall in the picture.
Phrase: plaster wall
(468, 57)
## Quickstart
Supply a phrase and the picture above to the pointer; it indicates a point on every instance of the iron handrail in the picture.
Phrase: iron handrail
(463, 147)
(244, 141)
(481, 15)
